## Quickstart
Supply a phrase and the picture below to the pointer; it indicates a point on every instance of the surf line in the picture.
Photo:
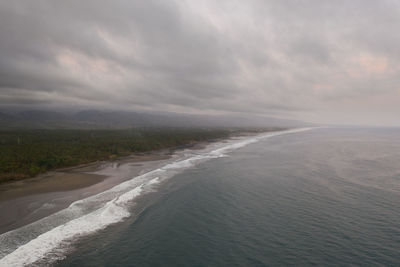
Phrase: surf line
(46, 246)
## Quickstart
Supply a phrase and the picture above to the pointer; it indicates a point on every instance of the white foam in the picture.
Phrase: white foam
(95, 213)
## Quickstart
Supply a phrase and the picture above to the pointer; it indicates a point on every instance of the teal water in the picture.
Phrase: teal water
(322, 197)
(326, 197)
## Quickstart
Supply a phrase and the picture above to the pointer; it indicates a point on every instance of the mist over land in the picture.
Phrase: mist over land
(97, 119)
(36, 141)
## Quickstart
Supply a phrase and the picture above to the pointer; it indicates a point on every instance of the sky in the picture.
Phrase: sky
(324, 61)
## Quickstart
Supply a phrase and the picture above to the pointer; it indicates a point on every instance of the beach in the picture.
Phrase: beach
(326, 197)
(26, 201)
(39, 224)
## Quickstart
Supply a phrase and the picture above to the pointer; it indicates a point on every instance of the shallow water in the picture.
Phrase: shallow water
(319, 197)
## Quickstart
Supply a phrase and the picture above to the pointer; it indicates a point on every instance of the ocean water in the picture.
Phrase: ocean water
(328, 197)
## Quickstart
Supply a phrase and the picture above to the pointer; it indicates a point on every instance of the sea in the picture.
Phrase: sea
(302, 197)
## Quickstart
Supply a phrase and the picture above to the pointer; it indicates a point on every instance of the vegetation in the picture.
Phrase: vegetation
(26, 153)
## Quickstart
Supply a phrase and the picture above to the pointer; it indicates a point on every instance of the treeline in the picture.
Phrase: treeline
(26, 153)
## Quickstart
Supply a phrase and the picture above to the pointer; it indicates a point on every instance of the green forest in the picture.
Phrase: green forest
(26, 153)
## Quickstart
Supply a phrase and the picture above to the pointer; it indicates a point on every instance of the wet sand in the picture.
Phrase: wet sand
(23, 202)
(66, 179)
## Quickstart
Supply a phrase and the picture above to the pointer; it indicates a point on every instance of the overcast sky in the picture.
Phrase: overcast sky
(335, 61)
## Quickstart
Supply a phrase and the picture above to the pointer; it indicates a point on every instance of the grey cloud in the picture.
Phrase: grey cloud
(297, 59)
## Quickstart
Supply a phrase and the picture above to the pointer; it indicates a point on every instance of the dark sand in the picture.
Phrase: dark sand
(66, 179)
(26, 201)
(23, 202)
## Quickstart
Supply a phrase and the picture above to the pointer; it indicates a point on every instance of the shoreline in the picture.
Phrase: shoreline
(114, 205)
(28, 200)
(82, 175)
(65, 179)
(44, 150)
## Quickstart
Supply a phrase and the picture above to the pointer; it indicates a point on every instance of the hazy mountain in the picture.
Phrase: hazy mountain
(6, 117)
(42, 115)
(95, 119)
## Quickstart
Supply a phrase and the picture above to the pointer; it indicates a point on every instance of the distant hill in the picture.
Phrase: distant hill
(97, 119)
(6, 117)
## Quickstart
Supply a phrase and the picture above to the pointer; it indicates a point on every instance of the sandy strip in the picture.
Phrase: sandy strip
(66, 179)
(23, 202)
(26, 201)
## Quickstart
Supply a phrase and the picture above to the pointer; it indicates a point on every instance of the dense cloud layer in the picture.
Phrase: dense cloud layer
(316, 60)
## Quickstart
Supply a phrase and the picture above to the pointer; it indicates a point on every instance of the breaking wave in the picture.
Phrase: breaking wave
(48, 239)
